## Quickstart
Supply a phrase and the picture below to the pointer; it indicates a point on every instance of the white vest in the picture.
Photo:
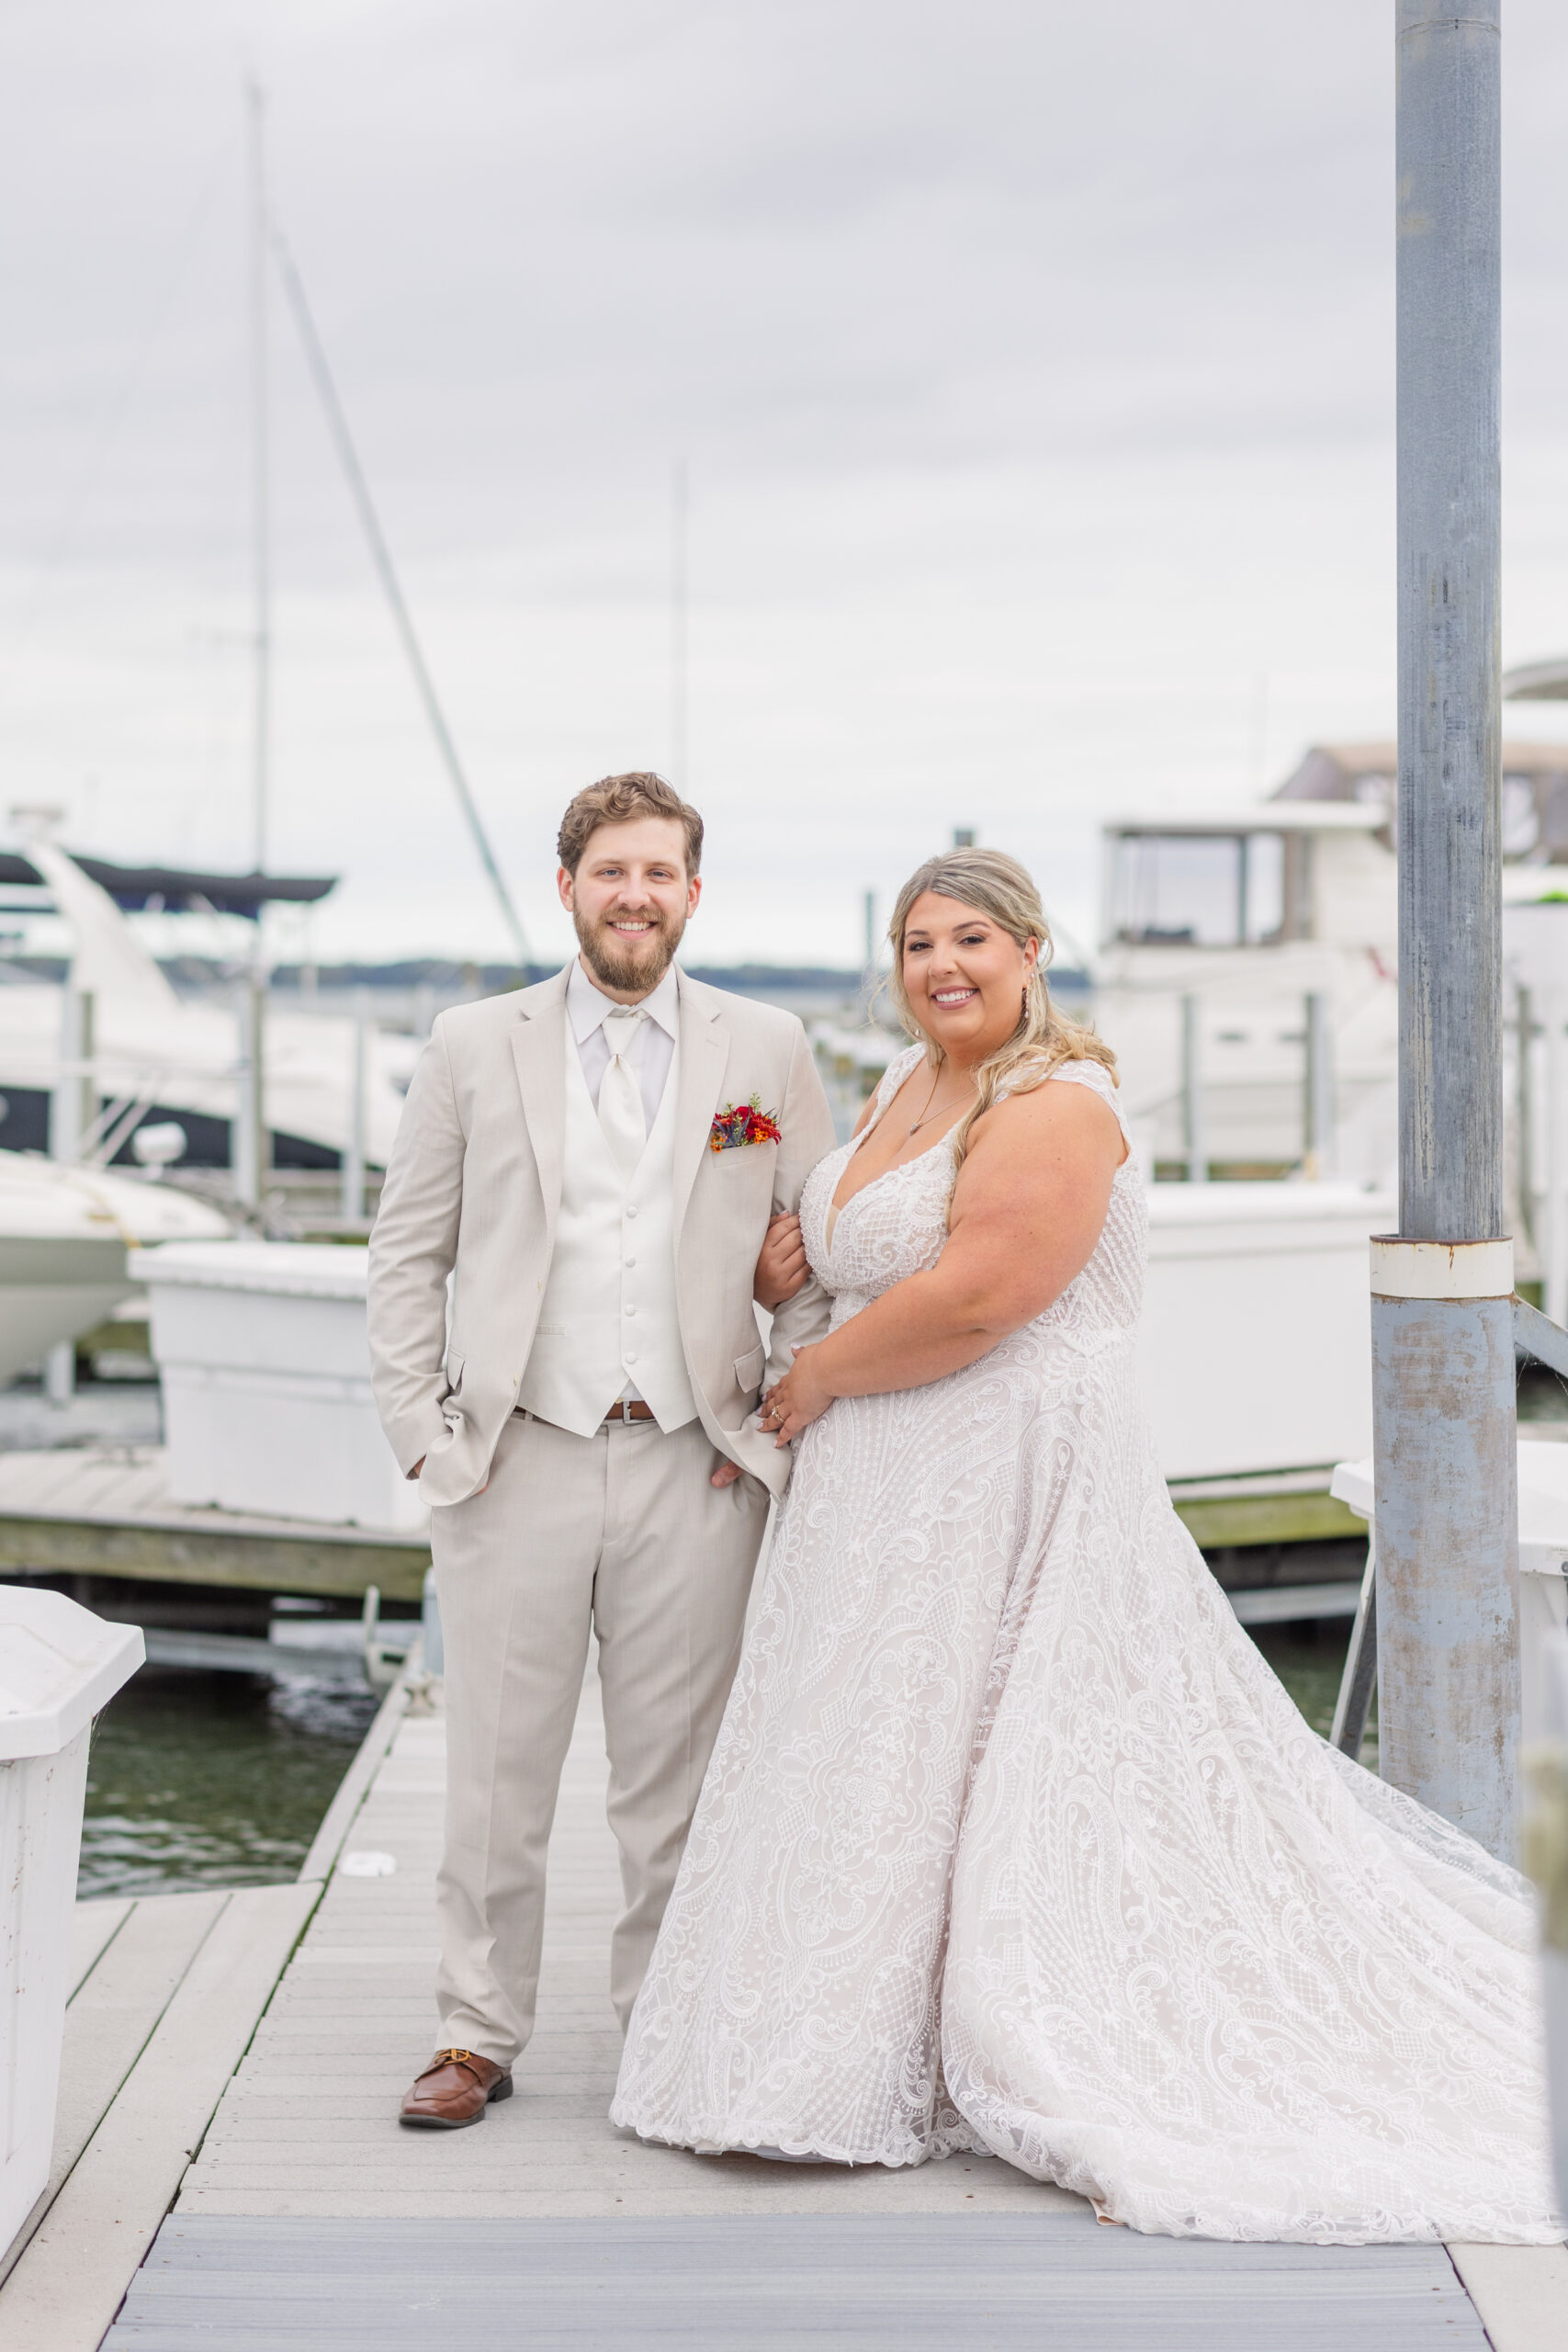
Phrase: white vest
(608, 1320)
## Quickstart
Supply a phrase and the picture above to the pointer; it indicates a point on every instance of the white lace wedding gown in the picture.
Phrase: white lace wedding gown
(1012, 1841)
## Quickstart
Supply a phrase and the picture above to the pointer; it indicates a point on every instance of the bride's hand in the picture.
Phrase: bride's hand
(793, 1403)
(782, 1270)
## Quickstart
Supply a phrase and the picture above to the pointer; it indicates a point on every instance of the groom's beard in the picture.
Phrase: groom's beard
(625, 964)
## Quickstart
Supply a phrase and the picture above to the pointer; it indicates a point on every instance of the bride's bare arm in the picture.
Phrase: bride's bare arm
(1027, 1210)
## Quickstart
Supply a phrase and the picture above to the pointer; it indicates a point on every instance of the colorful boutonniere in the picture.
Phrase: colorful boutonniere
(743, 1123)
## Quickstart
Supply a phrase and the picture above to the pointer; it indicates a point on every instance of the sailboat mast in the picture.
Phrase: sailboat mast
(249, 1153)
(261, 484)
(679, 522)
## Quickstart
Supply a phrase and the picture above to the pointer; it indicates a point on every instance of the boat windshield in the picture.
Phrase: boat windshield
(1198, 890)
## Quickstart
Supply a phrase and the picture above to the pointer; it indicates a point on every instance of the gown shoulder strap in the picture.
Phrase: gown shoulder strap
(893, 1078)
(1098, 1078)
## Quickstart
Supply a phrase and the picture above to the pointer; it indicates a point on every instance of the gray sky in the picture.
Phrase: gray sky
(1034, 366)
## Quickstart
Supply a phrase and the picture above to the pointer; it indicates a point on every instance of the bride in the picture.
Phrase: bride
(1011, 1841)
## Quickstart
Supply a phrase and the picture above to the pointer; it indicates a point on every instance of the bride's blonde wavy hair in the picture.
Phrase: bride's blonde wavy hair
(1000, 888)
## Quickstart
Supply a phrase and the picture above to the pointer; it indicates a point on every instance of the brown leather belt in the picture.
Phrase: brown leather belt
(625, 1409)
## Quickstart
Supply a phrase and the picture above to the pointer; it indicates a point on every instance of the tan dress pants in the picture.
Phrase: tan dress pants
(623, 1531)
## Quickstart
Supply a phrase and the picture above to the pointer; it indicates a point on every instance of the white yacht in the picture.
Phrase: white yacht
(63, 1237)
(159, 1057)
(1247, 962)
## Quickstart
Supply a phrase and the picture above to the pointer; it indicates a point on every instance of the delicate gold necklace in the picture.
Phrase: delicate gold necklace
(929, 1114)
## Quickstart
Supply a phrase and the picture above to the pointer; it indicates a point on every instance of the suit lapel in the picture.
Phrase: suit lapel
(704, 1056)
(538, 1049)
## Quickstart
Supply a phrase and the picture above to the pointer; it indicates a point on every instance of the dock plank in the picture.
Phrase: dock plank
(1520, 2291)
(354, 2019)
(126, 1961)
(119, 2009)
(986, 2283)
(389, 2237)
(70, 2279)
(93, 1924)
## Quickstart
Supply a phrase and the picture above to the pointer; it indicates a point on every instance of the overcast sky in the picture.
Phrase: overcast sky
(1032, 365)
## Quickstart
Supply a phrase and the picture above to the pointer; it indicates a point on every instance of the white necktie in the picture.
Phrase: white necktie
(620, 1096)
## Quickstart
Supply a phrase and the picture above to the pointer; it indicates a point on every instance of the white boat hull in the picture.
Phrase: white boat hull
(64, 1233)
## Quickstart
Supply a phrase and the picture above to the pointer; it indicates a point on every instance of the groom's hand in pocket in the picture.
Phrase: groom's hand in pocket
(726, 1475)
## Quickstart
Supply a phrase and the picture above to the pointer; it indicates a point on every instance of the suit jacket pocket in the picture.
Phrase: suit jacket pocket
(748, 1368)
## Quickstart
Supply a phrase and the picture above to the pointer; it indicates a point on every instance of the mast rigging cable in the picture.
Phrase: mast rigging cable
(380, 554)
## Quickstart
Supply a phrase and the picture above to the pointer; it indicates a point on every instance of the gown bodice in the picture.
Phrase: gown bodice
(896, 1224)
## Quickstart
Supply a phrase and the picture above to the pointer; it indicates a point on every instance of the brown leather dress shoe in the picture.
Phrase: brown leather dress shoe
(454, 2088)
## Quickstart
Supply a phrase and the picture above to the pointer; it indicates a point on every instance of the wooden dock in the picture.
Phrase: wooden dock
(220, 2065)
(107, 1512)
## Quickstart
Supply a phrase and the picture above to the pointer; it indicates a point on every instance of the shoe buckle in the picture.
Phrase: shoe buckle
(458, 2056)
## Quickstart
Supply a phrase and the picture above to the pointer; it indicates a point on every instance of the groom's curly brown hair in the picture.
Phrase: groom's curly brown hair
(616, 800)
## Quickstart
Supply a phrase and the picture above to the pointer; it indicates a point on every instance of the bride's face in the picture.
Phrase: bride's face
(964, 976)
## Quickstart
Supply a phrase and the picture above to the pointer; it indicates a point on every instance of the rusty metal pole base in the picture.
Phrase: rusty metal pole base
(1447, 1505)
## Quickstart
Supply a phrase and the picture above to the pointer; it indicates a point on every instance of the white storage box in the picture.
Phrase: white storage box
(1543, 1559)
(266, 1369)
(1255, 1346)
(58, 1666)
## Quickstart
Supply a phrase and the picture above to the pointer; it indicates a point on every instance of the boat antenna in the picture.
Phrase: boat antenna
(380, 555)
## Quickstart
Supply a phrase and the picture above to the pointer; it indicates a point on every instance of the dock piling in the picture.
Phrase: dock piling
(1442, 1334)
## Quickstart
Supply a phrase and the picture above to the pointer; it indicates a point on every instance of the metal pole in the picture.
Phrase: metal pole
(1357, 1683)
(1525, 1104)
(868, 971)
(261, 489)
(247, 1150)
(679, 516)
(352, 1201)
(1194, 1142)
(1554, 1207)
(1318, 1157)
(252, 1117)
(71, 1111)
(74, 1105)
(1442, 1329)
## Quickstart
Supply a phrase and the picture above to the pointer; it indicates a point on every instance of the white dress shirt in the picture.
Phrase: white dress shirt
(653, 1046)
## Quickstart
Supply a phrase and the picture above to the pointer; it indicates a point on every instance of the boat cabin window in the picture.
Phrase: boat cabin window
(1198, 890)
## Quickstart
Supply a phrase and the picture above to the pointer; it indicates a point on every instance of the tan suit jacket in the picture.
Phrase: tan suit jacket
(473, 1189)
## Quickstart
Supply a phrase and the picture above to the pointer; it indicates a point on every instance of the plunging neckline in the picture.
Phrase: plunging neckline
(837, 1208)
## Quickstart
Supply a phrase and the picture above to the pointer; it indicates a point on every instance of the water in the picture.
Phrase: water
(213, 1780)
(1309, 1661)
(221, 1779)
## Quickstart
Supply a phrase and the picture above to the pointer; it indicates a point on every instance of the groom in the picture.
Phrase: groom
(592, 1165)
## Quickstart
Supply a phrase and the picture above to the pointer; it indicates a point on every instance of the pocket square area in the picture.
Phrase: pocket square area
(744, 1123)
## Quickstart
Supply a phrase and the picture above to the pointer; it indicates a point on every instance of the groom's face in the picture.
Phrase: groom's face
(629, 900)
